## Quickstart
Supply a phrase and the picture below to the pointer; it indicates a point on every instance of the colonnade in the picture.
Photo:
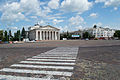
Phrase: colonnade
(47, 35)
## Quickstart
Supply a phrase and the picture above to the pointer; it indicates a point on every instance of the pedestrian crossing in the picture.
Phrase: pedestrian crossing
(48, 60)
(51, 65)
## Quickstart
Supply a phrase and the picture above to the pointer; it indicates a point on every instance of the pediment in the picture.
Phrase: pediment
(49, 27)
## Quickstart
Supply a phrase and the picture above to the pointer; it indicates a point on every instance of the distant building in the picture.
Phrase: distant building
(79, 32)
(100, 32)
(48, 32)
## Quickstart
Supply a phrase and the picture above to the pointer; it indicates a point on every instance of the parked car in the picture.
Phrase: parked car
(102, 38)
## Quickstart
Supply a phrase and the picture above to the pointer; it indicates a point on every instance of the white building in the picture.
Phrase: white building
(48, 32)
(99, 32)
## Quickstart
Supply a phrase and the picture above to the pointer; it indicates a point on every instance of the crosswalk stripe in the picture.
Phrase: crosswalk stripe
(61, 53)
(41, 66)
(67, 55)
(57, 56)
(62, 73)
(56, 63)
(54, 57)
(9, 77)
(50, 60)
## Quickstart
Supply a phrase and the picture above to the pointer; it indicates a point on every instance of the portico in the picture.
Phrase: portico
(44, 33)
(47, 35)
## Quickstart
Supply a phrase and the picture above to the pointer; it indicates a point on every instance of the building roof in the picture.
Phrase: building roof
(37, 26)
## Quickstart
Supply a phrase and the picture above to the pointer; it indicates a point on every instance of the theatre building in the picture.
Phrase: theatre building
(48, 32)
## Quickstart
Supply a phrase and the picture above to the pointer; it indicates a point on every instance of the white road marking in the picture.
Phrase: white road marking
(54, 57)
(61, 53)
(38, 62)
(41, 66)
(49, 60)
(62, 73)
(72, 55)
(51, 55)
(9, 77)
(66, 55)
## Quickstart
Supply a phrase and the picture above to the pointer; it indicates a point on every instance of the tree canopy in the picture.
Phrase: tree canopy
(95, 26)
(1, 34)
(23, 34)
(86, 35)
(117, 34)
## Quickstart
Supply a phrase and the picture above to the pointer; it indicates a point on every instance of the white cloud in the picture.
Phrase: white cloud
(65, 28)
(97, 1)
(77, 20)
(33, 17)
(11, 17)
(42, 22)
(107, 3)
(76, 5)
(55, 21)
(16, 11)
(93, 15)
(115, 8)
(58, 14)
(112, 3)
(11, 12)
(53, 4)
(13, 28)
(30, 6)
(54, 17)
(47, 10)
(79, 27)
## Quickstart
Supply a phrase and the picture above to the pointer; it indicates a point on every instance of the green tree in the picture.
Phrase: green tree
(95, 26)
(1, 34)
(17, 36)
(86, 35)
(117, 34)
(5, 38)
(23, 34)
(10, 35)
(67, 35)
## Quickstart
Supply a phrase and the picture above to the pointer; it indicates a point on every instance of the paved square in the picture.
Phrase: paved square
(58, 63)
(60, 60)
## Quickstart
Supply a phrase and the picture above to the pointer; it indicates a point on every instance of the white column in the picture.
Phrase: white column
(58, 35)
(43, 35)
(40, 35)
(53, 35)
(36, 35)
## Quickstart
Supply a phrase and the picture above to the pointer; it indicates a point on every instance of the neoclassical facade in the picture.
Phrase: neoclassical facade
(102, 32)
(48, 32)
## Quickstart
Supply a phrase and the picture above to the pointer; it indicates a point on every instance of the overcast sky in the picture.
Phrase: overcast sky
(64, 14)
